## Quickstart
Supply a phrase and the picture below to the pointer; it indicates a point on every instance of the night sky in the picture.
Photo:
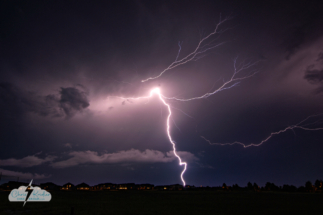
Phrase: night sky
(63, 64)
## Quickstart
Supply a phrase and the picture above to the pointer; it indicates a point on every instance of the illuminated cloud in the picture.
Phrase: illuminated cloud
(132, 155)
(28, 161)
(73, 100)
(16, 101)
(314, 73)
(68, 145)
(23, 175)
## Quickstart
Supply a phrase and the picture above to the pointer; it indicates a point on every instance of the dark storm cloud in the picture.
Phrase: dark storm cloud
(315, 77)
(73, 100)
(68, 145)
(110, 46)
(314, 74)
(320, 57)
(295, 40)
(23, 174)
(304, 29)
(28, 161)
(15, 102)
(132, 156)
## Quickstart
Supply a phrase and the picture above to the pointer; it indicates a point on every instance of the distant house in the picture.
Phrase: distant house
(146, 186)
(122, 186)
(132, 186)
(126, 186)
(164, 187)
(49, 186)
(109, 186)
(105, 186)
(190, 187)
(68, 186)
(83, 186)
(176, 187)
(3, 186)
(169, 187)
(97, 187)
(13, 185)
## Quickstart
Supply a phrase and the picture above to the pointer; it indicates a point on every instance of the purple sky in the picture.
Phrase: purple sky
(62, 64)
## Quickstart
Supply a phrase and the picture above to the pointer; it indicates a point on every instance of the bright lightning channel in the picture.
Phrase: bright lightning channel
(161, 97)
(232, 82)
(299, 125)
(199, 51)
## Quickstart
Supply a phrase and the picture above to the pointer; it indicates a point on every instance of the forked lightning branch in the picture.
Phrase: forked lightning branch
(246, 67)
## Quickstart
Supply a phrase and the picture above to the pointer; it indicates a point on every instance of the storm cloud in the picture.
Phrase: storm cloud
(126, 156)
(23, 174)
(314, 75)
(15, 102)
(73, 100)
(28, 161)
(63, 69)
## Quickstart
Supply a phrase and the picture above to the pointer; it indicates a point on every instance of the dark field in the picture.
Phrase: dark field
(168, 202)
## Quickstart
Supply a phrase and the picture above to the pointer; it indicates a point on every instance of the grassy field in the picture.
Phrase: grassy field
(168, 202)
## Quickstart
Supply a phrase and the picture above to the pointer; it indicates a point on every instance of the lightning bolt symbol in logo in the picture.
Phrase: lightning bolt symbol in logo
(29, 191)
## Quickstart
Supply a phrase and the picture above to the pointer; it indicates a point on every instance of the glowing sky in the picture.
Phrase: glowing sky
(63, 66)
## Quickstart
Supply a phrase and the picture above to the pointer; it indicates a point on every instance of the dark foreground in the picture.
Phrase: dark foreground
(168, 202)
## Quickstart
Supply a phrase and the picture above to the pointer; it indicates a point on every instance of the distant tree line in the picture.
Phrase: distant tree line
(317, 187)
(309, 187)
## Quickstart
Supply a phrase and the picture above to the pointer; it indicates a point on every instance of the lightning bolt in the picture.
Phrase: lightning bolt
(232, 82)
(29, 191)
(201, 48)
(161, 97)
(299, 125)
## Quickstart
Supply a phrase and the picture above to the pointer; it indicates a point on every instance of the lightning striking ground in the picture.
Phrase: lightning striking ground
(291, 127)
(161, 97)
(201, 48)
(233, 81)
(199, 52)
